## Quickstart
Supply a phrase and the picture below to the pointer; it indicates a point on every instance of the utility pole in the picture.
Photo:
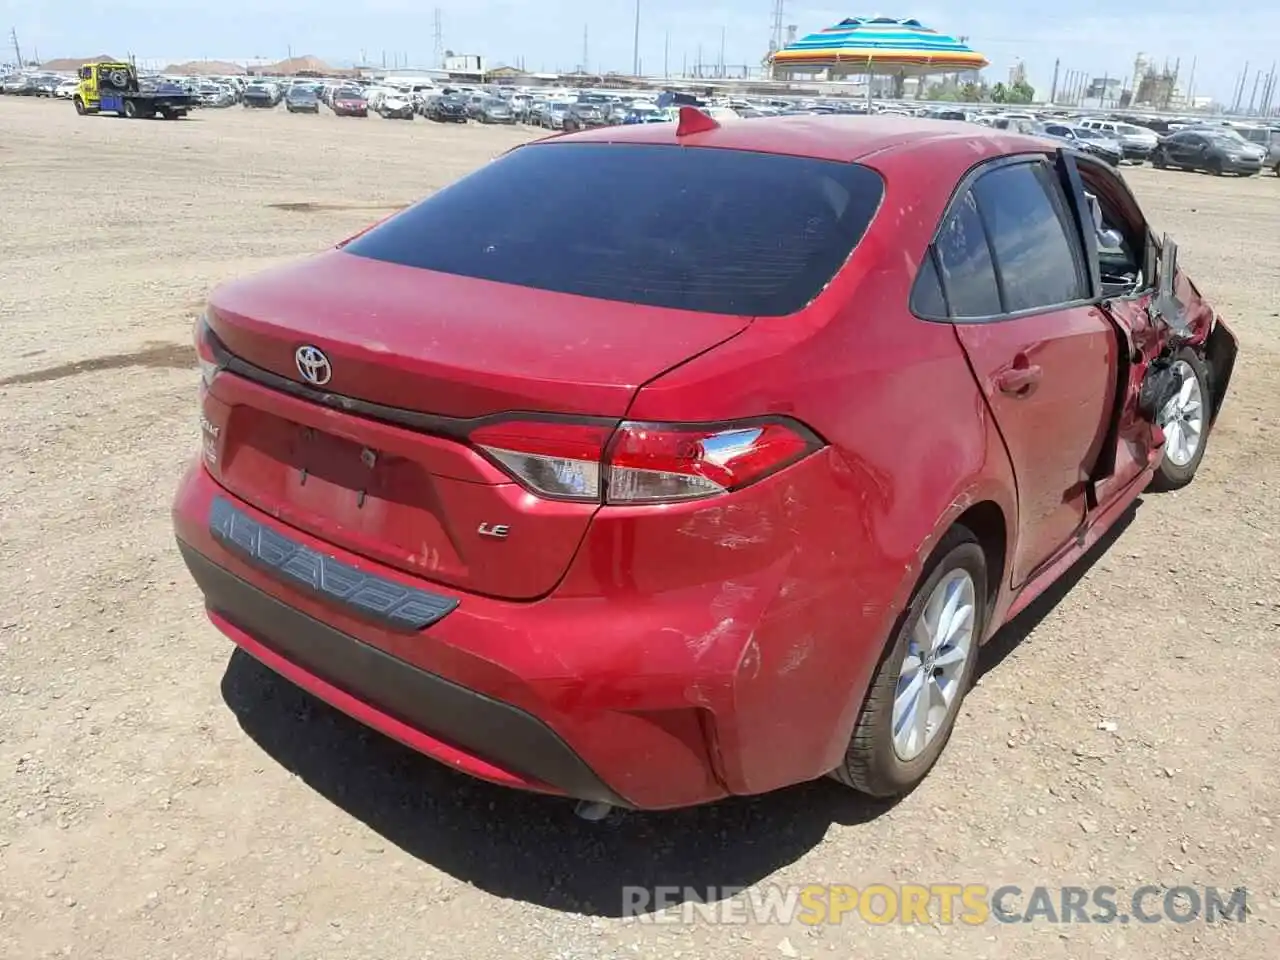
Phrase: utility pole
(585, 58)
(635, 46)
(720, 71)
(1053, 90)
(1253, 97)
(666, 52)
(1189, 96)
(439, 38)
(17, 50)
(1244, 75)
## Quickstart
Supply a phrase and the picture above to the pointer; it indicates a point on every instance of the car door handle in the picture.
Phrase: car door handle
(1019, 381)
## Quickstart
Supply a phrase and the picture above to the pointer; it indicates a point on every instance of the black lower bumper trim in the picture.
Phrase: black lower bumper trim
(498, 732)
(366, 594)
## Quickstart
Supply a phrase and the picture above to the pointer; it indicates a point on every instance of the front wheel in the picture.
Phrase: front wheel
(1214, 166)
(1158, 160)
(1185, 422)
(924, 674)
(80, 108)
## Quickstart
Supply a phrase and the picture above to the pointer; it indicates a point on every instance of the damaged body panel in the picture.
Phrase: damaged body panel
(702, 489)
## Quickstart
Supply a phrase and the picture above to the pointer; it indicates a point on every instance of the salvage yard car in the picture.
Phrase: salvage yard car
(449, 108)
(651, 496)
(1216, 150)
(349, 102)
(300, 99)
(1084, 138)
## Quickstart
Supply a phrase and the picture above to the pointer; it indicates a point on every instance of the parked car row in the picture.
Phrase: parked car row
(1206, 145)
(1197, 143)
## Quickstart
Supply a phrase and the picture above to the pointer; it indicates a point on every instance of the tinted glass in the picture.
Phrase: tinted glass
(926, 295)
(718, 231)
(967, 272)
(1036, 260)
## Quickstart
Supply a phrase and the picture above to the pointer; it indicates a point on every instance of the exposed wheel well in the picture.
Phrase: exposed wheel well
(987, 523)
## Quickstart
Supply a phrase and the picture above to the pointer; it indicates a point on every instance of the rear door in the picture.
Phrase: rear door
(1044, 354)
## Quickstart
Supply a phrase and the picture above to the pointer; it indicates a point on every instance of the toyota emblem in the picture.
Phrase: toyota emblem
(313, 365)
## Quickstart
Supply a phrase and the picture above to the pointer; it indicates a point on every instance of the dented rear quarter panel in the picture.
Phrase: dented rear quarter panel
(911, 447)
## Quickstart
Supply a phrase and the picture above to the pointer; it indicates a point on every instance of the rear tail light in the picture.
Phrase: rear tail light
(642, 462)
(558, 460)
(209, 364)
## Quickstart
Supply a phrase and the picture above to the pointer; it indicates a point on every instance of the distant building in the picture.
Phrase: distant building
(503, 73)
(465, 65)
(1018, 74)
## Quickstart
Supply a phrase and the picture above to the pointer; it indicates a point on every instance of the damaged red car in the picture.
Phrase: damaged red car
(656, 464)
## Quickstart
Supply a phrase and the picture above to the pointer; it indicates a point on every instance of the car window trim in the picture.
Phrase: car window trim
(1069, 220)
(1067, 173)
(962, 187)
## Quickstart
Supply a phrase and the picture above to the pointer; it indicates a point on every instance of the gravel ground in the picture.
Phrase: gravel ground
(164, 797)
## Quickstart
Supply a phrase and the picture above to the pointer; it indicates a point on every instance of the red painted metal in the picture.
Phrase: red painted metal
(685, 650)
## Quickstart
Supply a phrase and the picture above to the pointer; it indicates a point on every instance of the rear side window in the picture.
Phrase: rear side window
(927, 299)
(1037, 263)
(717, 231)
(965, 258)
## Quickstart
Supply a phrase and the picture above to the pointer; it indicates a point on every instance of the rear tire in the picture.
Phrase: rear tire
(874, 763)
(1214, 166)
(1176, 470)
(131, 110)
(1158, 160)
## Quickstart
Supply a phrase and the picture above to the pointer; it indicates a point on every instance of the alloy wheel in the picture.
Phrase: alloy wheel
(934, 665)
(1182, 418)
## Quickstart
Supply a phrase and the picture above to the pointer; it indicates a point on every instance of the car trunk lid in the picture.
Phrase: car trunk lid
(376, 460)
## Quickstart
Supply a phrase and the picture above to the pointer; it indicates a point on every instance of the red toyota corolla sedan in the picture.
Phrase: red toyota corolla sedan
(660, 463)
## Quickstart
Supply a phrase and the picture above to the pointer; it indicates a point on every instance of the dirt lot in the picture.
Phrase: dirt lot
(163, 797)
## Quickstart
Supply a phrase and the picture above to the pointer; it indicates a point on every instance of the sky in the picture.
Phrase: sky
(1097, 37)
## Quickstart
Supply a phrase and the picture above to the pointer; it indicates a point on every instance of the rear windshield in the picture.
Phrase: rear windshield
(717, 231)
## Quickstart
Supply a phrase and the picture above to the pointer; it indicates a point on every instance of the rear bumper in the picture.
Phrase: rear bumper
(355, 677)
(735, 666)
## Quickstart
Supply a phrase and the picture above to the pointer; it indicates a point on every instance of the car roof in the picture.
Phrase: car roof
(841, 137)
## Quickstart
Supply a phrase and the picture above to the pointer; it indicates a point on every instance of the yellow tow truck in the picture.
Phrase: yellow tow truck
(113, 88)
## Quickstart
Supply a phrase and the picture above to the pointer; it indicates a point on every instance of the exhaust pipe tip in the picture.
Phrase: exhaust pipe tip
(593, 811)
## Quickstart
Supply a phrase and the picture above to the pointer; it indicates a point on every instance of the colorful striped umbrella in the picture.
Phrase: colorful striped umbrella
(869, 45)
